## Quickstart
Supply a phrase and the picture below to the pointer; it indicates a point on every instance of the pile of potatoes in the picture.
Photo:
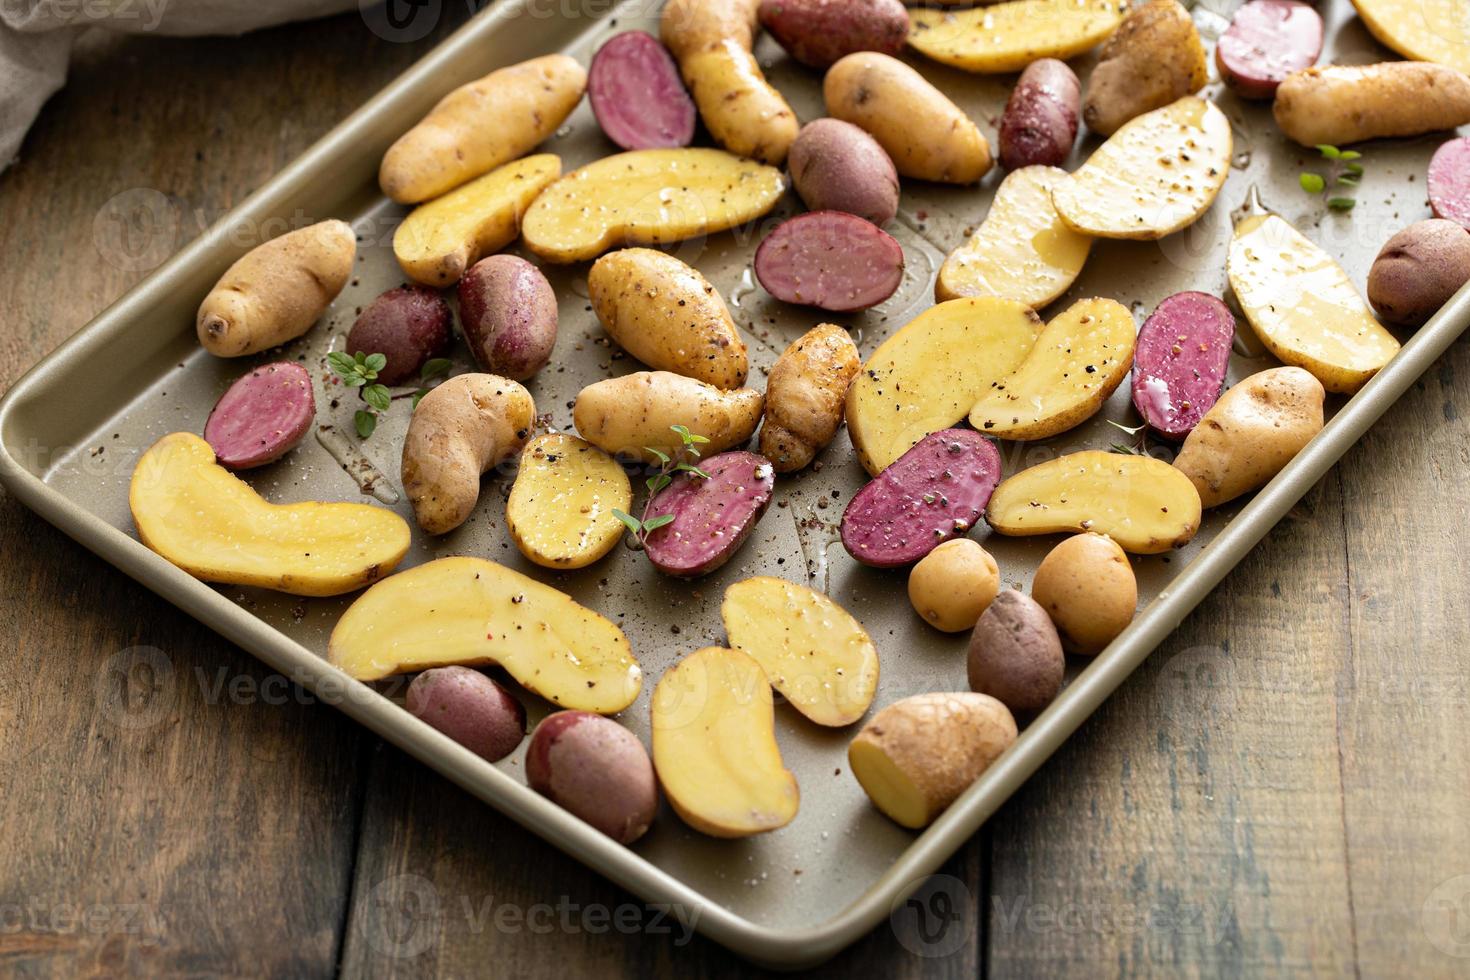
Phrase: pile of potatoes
(924, 423)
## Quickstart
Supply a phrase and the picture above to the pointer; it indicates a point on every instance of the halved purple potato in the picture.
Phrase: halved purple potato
(262, 416)
(712, 516)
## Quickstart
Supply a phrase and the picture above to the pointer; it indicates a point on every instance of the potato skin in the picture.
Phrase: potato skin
(508, 313)
(818, 32)
(837, 166)
(461, 428)
(1087, 587)
(406, 324)
(1154, 58)
(1267, 40)
(275, 292)
(262, 416)
(1341, 104)
(712, 516)
(481, 125)
(595, 769)
(806, 394)
(1418, 270)
(1039, 125)
(1015, 654)
(953, 585)
(667, 315)
(927, 136)
(1254, 430)
(624, 416)
(470, 708)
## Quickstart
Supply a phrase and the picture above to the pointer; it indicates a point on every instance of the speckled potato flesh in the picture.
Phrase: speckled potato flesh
(628, 415)
(714, 746)
(1421, 30)
(916, 756)
(1080, 358)
(1158, 174)
(1006, 37)
(813, 651)
(1088, 588)
(1022, 251)
(647, 197)
(207, 521)
(927, 376)
(559, 512)
(473, 612)
(439, 240)
(1144, 504)
(1302, 305)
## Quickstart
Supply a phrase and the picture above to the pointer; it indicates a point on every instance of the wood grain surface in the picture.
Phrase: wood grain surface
(1294, 801)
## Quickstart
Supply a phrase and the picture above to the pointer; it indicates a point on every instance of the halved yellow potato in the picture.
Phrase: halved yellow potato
(1023, 250)
(1081, 357)
(1157, 174)
(647, 197)
(1302, 305)
(439, 240)
(714, 746)
(1007, 37)
(470, 611)
(560, 508)
(214, 526)
(1421, 30)
(927, 376)
(1144, 504)
(813, 651)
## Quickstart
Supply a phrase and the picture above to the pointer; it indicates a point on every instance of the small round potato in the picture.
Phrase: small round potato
(508, 313)
(1015, 654)
(954, 584)
(470, 708)
(408, 325)
(596, 769)
(1087, 587)
(1418, 271)
(836, 166)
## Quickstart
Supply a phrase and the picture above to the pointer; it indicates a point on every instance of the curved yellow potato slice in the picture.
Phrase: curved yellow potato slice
(471, 611)
(214, 526)
(439, 240)
(1144, 504)
(1007, 37)
(1023, 250)
(560, 507)
(648, 197)
(714, 746)
(1302, 305)
(1157, 174)
(1421, 30)
(813, 651)
(1078, 361)
(927, 376)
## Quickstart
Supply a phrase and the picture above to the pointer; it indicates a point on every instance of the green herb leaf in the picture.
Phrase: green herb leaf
(376, 362)
(1347, 179)
(1349, 155)
(1312, 183)
(1329, 152)
(629, 521)
(1118, 447)
(377, 396)
(366, 422)
(435, 367)
(341, 362)
(663, 457)
(360, 358)
(418, 396)
(1131, 430)
(354, 380)
(1341, 203)
(692, 438)
(654, 523)
(691, 468)
(657, 483)
(1354, 168)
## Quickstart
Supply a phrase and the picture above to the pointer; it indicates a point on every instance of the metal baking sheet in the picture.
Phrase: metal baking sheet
(70, 457)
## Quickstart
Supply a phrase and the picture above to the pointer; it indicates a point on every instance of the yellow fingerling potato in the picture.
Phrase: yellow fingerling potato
(473, 612)
(805, 396)
(1302, 305)
(1144, 504)
(1006, 37)
(560, 508)
(1251, 433)
(712, 41)
(1078, 361)
(1157, 174)
(647, 197)
(813, 651)
(481, 125)
(928, 375)
(927, 135)
(714, 746)
(1022, 251)
(629, 415)
(439, 240)
(916, 756)
(211, 524)
(667, 315)
(1341, 104)
(1421, 30)
(275, 292)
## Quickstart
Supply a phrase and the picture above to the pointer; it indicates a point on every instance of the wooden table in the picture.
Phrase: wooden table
(1295, 798)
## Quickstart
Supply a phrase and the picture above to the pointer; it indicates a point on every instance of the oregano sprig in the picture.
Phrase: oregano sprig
(360, 371)
(1343, 171)
(679, 462)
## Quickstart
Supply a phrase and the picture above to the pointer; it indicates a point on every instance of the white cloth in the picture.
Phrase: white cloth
(36, 38)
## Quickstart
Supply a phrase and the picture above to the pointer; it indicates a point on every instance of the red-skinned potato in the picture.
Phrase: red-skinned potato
(1039, 125)
(1015, 654)
(508, 313)
(262, 416)
(470, 708)
(637, 95)
(836, 166)
(408, 325)
(1179, 362)
(1449, 181)
(818, 32)
(831, 260)
(1266, 41)
(1418, 270)
(595, 769)
(713, 515)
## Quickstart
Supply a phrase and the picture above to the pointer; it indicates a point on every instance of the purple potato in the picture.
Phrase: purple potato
(470, 708)
(1016, 653)
(712, 516)
(1180, 361)
(831, 260)
(508, 313)
(595, 769)
(408, 325)
(262, 416)
(1039, 125)
(819, 32)
(637, 95)
(836, 166)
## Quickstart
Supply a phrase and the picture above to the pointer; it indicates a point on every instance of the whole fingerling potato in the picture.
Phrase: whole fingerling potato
(595, 769)
(1039, 125)
(805, 396)
(818, 32)
(408, 325)
(1341, 104)
(1087, 587)
(470, 708)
